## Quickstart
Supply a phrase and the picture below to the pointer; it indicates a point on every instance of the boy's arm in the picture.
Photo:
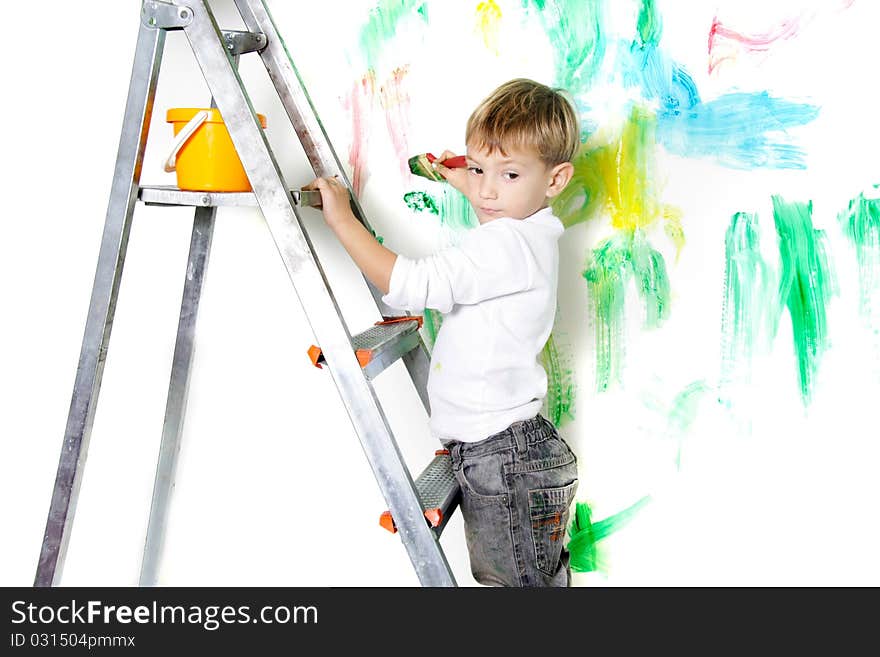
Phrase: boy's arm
(373, 259)
(488, 263)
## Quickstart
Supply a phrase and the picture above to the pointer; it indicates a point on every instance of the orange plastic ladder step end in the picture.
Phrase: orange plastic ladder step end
(434, 516)
(405, 318)
(386, 521)
(364, 356)
(314, 355)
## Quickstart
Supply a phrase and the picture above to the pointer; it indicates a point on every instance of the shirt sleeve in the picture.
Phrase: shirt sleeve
(491, 261)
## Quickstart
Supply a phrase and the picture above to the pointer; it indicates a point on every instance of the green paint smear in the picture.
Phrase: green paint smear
(421, 202)
(861, 225)
(748, 314)
(806, 284)
(382, 25)
(455, 210)
(584, 534)
(684, 406)
(457, 214)
(683, 412)
(433, 319)
(650, 24)
(574, 28)
(559, 401)
(619, 178)
(584, 195)
(610, 268)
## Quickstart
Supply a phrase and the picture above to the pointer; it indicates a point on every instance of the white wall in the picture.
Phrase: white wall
(272, 486)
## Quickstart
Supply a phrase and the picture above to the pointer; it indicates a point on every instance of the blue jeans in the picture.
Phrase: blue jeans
(517, 486)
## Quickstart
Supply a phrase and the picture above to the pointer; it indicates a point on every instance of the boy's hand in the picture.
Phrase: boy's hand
(455, 177)
(369, 255)
(335, 200)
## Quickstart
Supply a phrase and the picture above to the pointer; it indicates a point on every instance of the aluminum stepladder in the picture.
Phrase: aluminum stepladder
(420, 508)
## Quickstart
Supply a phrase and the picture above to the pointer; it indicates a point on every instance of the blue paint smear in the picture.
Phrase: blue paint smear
(733, 130)
(658, 77)
(588, 124)
(737, 130)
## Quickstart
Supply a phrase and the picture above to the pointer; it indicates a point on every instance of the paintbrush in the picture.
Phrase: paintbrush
(420, 165)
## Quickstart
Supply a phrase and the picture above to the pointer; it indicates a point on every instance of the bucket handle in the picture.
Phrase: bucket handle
(185, 133)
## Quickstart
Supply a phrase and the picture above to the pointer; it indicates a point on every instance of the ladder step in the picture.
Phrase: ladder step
(170, 195)
(438, 491)
(380, 345)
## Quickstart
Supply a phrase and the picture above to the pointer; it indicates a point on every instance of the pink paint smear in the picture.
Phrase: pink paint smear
(359, 102)
(726, 43)
(396, 103)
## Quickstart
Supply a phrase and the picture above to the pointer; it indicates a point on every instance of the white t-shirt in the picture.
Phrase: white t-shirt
(497, 293)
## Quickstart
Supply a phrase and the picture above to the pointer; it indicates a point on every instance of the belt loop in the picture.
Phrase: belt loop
(519, 436)
(455, 454)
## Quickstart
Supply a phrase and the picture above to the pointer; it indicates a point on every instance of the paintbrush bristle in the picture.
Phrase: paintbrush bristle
(420, 165)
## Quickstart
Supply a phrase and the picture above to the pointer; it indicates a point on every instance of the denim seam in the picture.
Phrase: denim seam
(537, 466)
(537, 438)
(555, 496)
(498, 450)
(514, 529)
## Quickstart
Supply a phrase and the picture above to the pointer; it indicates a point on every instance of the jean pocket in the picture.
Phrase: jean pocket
(484, 476)
(548, 510)
(552, 454)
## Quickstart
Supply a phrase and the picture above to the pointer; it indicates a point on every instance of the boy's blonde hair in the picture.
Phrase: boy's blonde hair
(525, 114)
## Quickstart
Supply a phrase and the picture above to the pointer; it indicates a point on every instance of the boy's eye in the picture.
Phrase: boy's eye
(476, 170)
(511, 175)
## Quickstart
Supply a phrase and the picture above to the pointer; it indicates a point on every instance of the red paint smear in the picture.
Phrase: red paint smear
(729, 40)
(396, 102)
(359, 102)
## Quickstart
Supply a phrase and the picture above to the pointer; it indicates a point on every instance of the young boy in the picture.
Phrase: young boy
(497, 293)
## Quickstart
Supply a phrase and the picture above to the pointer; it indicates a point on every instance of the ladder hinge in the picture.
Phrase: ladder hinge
(238, 43)
(165, 16)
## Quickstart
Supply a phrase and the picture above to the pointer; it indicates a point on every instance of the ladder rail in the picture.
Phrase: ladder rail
(295, 99)
(102, 305)
(315, 296)
(319, 151)
(178, 393)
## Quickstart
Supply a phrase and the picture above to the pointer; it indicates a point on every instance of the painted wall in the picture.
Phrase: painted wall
(716, 355)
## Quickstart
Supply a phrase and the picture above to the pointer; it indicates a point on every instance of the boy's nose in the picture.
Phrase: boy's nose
(487, 188)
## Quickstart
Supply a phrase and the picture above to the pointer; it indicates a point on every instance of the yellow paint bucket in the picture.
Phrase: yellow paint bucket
(202, 154)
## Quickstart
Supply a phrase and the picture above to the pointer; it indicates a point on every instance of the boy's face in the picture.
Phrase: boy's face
(516, 184)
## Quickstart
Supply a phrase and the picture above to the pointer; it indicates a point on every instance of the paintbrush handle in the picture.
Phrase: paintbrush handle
(456, 162)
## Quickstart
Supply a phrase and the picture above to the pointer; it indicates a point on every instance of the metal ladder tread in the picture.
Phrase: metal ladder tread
(380, 345)
(438, 491)
(171, 195)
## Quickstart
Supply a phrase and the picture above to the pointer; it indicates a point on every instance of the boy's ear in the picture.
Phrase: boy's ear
(560, 175)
